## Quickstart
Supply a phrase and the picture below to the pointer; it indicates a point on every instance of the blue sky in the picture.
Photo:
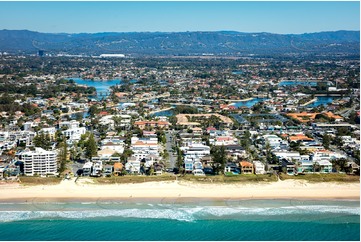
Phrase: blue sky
(91, 17)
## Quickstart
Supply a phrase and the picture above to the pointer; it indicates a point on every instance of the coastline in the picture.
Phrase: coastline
(68, 190)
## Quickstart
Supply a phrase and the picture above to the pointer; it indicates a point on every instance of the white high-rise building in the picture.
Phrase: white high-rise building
(40, 162)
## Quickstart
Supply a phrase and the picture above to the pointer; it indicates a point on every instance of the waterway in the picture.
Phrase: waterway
(297, 83)
(249, 103)
(322, 101)
(102, 87)
(166, 113)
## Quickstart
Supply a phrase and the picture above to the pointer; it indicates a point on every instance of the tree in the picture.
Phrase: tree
(268, 152)
(91, 148)
(180, 162)
(326, 139)
(219, 158)
(340, 164)
(117, 121)
(63, 153)
(126, 154)
(42, 141)
(93, 110)
(245, 141)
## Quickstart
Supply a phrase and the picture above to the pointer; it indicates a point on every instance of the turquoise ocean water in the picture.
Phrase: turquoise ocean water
(167, 219)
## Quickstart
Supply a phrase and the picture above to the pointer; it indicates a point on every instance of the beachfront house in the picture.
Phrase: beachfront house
(246, 167)
(194, 153)
(87, 168)
(118, 168)
(325, 166)
(108, 170)
(288, 167)
(259, 167)
(305, 164)
(133, 166)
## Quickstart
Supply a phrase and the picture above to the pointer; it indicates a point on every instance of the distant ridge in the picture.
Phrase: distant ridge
(180, 43)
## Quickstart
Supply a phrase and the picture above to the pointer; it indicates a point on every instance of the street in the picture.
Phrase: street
(170, 142)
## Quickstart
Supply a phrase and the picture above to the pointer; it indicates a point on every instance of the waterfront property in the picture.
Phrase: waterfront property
(259, 167)
(246, 167)
(38, 162)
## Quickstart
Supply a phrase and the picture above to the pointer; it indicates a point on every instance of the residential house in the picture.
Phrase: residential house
(48, 132)
(194, 153)
(118, 168)
(133, 165)
(290, 167)
(246, 167)
(305, 164)
(325, 166)
(275, 142)
(108, 170)
(87, 168)
(259, 167)
(74, 134)
(144, 147)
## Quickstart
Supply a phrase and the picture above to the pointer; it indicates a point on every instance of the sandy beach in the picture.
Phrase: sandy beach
(83, 190)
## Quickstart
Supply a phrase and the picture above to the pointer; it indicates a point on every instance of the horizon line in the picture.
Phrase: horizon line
(187, 31)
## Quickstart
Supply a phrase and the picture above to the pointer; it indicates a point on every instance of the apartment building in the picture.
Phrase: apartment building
(40, 162)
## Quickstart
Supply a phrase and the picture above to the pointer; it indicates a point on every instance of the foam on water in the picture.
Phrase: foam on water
(184, 213)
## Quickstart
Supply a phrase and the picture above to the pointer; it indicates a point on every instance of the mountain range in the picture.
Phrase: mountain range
(179, 43)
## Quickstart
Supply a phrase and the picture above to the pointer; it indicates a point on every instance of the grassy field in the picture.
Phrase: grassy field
(333, 177)
(28, 180)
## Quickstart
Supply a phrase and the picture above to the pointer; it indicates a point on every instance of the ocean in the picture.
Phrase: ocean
(181, 219)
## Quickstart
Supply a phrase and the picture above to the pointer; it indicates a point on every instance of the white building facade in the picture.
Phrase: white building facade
(39, 162)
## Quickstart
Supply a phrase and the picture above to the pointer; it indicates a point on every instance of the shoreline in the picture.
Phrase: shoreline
(237, 101)
(161, 110)
(68, 190)
(309, 102)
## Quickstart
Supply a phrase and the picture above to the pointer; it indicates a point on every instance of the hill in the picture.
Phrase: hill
(180, 43)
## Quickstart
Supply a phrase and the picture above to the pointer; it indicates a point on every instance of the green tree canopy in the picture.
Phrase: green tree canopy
(91, 148)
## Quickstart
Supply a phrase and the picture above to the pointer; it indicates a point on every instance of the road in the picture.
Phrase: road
(169, 135)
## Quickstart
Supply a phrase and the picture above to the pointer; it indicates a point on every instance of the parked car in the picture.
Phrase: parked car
(80, 172)
(208, 171)
(198, 172)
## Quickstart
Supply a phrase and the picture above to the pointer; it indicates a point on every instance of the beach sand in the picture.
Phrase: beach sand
(84, 190)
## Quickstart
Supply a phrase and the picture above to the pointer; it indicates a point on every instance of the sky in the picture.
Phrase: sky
(91, 17)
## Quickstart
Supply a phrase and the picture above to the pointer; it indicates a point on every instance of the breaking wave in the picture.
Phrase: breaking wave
(185, 213)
